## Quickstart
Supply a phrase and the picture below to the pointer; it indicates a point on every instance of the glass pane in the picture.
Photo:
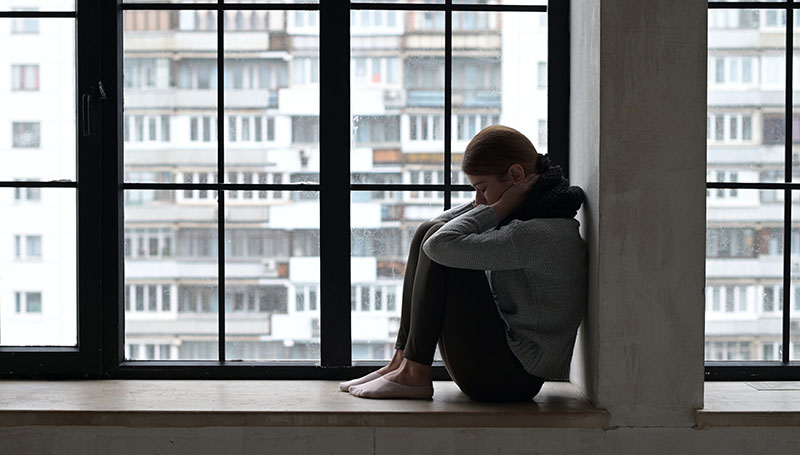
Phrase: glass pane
(382, 226)
(171, 1)
(404, 1)
(796, 104)
(397, 94)
(794, 295)
(170, 293)
(501, 2)
(38, 294)
(271, 1)
(746, 126)
(497, 80)
(170, 96)
(744, 274)
(272, 295)
(271, 97)
(37, 135)
(37, 5)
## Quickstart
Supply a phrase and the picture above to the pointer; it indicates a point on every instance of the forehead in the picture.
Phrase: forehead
(476, 180)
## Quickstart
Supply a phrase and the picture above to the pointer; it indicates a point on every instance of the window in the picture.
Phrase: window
(208, 227)
(24, 24)
(25, 134)
(28, 246)
(24, 77)
(542, 74)
(28, 302)
(745, 244)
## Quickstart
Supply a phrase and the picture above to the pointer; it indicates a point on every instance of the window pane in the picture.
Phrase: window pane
(744, 276)
(38, 5)
(42, 280)
(796, 109)
(181, 269)
(261, 134)
(746, 96)
(396, 118)
(382, 226)
(272, 278)
(502, 2)
(170, 96)
(794, 294)
(486, 70)
(37, 136)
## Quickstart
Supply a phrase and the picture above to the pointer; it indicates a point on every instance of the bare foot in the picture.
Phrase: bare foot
(394, 364)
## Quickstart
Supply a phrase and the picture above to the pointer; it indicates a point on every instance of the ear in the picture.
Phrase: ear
(517, 173)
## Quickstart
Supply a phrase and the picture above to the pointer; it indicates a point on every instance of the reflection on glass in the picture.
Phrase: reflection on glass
(271, 96)
(499, 79)
(745, 124)
(39, 131)
(382, 226)
(272, 295)
(397, 95)
(170, 96)
(170, 293)
(744, 275)
(38, 293)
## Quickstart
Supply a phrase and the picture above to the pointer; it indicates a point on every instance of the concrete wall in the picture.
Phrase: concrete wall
(638, 106)
(399, 441)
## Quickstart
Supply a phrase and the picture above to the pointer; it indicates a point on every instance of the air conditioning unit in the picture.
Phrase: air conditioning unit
(269, 266)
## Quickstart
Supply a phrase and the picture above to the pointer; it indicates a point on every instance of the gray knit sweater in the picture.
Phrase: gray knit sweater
(537, 270)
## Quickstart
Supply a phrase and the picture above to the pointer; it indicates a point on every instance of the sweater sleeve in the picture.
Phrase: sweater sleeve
(471, 242)
(454, 212)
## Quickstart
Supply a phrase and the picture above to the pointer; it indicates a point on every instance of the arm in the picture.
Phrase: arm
(454, 212)
(471, 242)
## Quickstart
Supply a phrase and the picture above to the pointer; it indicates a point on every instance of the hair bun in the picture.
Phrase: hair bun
(543, 163)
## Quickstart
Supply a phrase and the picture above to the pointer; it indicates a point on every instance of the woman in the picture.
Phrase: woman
(499, 283)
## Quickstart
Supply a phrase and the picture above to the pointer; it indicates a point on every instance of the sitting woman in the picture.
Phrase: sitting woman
(499, 283)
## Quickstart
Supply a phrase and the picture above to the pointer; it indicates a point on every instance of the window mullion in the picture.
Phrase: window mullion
(787, 200)
(334, 140)
(448, 102)
(221, 180)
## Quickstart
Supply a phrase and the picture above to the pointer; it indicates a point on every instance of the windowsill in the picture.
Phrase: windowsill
(737, 404)
(167, 403)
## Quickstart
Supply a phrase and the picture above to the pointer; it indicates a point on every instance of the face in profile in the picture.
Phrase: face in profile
(488, 188)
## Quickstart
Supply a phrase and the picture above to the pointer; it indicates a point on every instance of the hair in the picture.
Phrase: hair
(495, 148)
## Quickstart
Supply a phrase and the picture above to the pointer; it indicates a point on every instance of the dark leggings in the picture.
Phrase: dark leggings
(456, 308)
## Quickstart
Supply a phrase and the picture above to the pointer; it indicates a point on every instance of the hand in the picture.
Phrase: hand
(513, 196)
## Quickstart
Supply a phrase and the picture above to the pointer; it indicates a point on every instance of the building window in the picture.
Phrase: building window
(25, 77)
(25, 134)
(28, 246)
(28, 302)
(24, 24)
(542, 74)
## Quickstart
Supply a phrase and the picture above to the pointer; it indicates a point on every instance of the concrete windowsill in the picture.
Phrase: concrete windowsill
(165, 403)
(737, 404)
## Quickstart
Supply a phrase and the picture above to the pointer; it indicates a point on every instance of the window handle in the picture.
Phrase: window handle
(86, 100)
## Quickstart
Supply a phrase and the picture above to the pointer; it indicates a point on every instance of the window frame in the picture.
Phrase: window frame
(85, 358)
(101, 351)
(784, 369)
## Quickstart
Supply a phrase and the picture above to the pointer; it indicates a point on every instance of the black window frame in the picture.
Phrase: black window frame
(785, 369)
(101, 349)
